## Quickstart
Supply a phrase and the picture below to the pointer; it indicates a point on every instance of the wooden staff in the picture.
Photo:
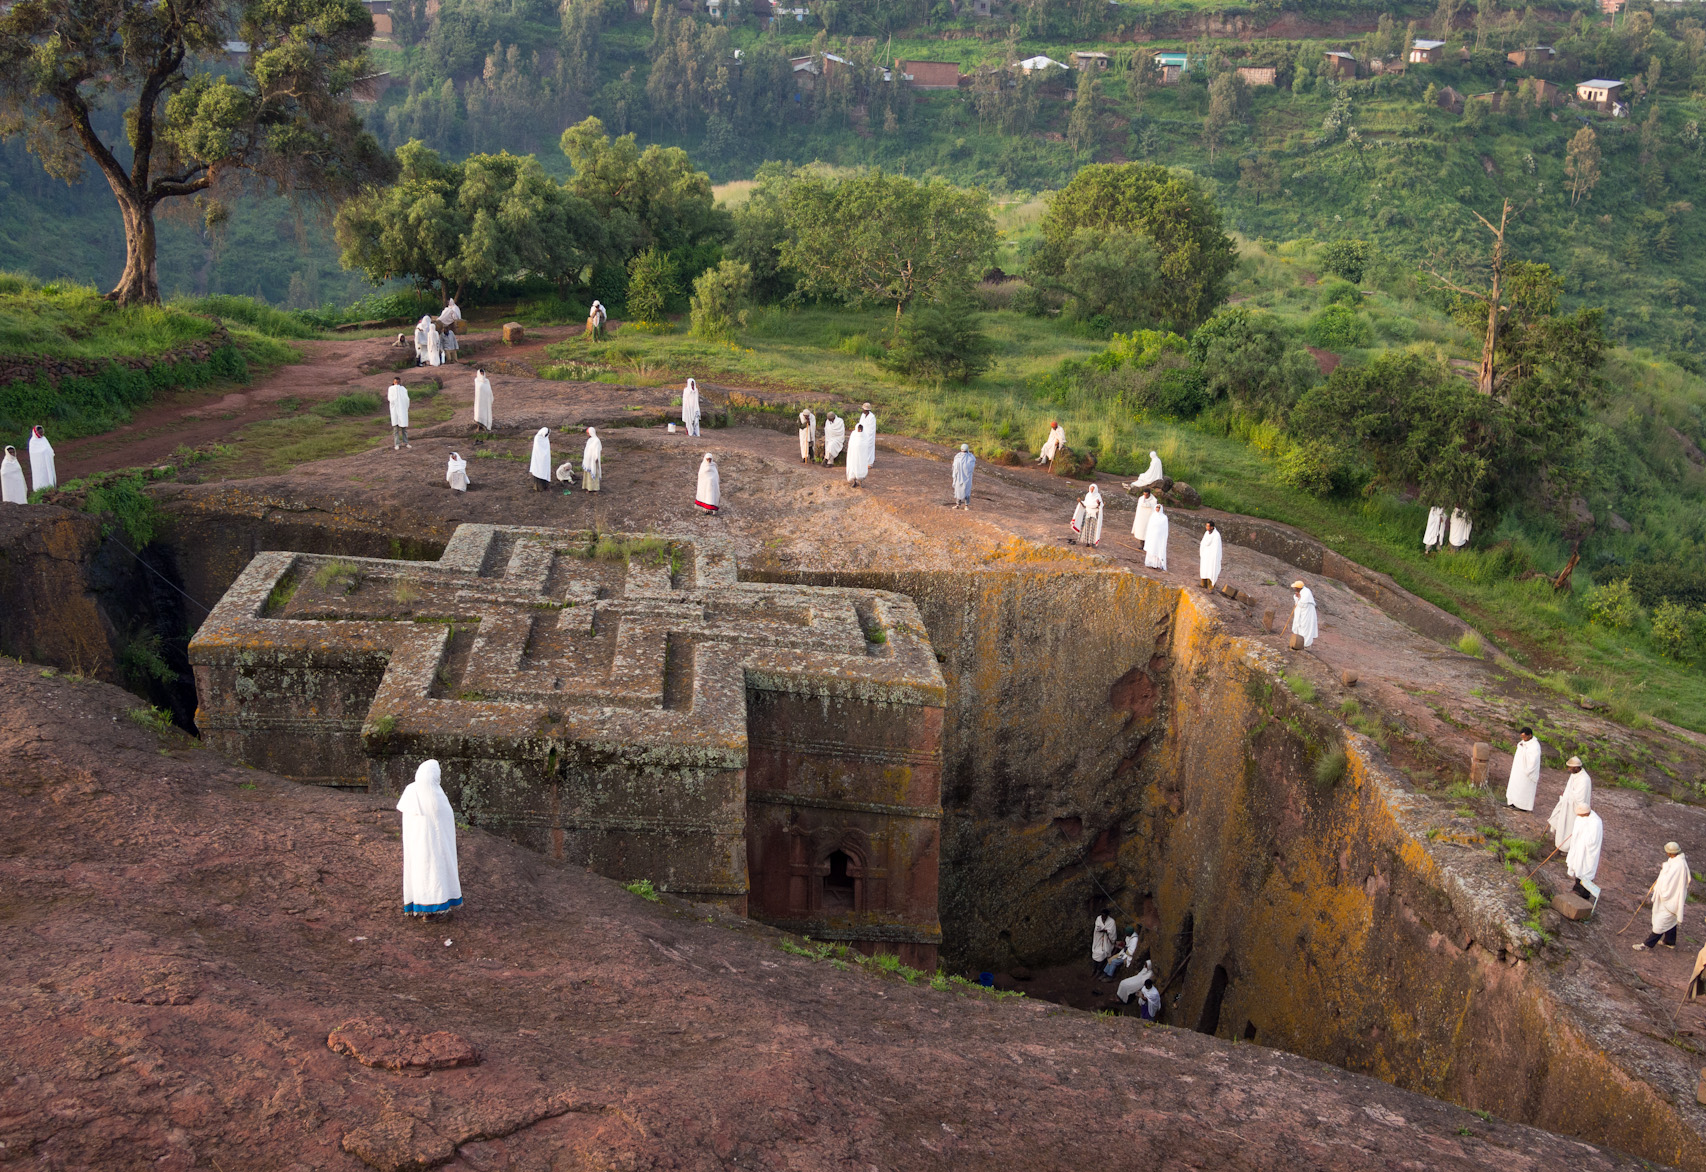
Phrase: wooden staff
(1638, 907)
(1543, 862)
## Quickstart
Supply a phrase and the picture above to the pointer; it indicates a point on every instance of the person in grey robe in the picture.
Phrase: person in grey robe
(965, 465)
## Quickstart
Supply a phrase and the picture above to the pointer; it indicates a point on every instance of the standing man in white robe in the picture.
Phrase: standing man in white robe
(397, 398)
(965, 466)
(457, 474)
(43, 473)
(1102, 937)
(430, 881)
(1155, 539)
(482, 399)
(539, 466)
(1208, 556)
(808, 436)
(1460, 526)
(1140, 524)
(1582, 863)
(858, 463)
(690, 407)
(1151, 475)
(592, 461)
(12, 488)
(595, 318)
(421, 329)
(1434, 534)
(868, 424)
(1670, 899)
(1056, 440)
(1303, 620)
(1578, 788)
(709, 494)
(834, 437)
(1525, 772)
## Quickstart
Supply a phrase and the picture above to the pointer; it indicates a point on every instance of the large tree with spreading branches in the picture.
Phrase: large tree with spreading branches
(193, 120)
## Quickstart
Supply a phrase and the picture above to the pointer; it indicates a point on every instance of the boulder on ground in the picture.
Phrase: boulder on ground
(514, 335)
(1073, 465)
(1572, 906)
(1179, 495)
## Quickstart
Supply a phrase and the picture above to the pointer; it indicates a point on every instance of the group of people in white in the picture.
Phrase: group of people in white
(1578, 833)
(860, 445)
(43, 474)
(1442, 529)
(435, 338)
(1109, 953)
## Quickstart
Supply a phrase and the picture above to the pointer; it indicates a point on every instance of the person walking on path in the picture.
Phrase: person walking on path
(430, 881)
(1669, 894)
(397, 396)
(1578, 787)
(1303, 619)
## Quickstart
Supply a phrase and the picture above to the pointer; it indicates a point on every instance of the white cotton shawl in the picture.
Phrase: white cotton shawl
(869, 422)
(566, 472)
(1056, 440)
(397, 396)
(1078, 511)
(1583, 860)
(1102, 939)
(597, 312)
(965, 467)
(1578, 787)
(1152, 474)
(808, 434)
(592, 458)
(540, 465)
(457, 472)
(1131, 986)
(42, 471)
(1093, 516)
(709, 494)
(1208, 557)
(1303, 619)
(1155, 540)
(690, 403)
(12, 489)
(1145, 510)
(482, 400)
(1435, 532)
(435, 348)
(858, 456)
(451, 314)
(430, 880)
(1525, 774)
(422, 327)
(834, 437)
(1670, 894)
(1460, 526)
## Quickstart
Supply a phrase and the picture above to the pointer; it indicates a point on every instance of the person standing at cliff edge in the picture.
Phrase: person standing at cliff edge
(1155, 539)
(43, 473)
(1670, 898)
(1208, 556)
(1304, 623)
(430, 881)
(965, 467)
(1525, 772)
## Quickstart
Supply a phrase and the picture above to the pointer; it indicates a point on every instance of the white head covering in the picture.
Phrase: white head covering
(430, 880)
(457, 472)
(834, 436)
(482, 399)
(690, 402)
(1303, 618)
(540, 464)
(965, 466)
(592, 458)
(1208, 556)
(12, 489)
(1155, 540)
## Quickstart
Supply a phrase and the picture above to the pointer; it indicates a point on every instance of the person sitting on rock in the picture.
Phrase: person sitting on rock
(1151, 475)
(1051, 446)
(1126, 954)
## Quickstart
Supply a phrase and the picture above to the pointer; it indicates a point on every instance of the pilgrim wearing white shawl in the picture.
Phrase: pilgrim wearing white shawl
(1670, 898)
(430, 881)
(834, 437)
(868, 421)
(1460, 526)
(858, 456)
(1145, 510)
(1155, 540)
(1132, 985)
(1093, 516)
(808, 436)
(1124, 957)
(397, 399)
(690, 407)
(1078, 511)
(595, 318)
(1525, 773)
(43, 474)
(1303, 621)
(1055, 441)
(592, 461)
(435, 346)
(12, 490)
(422, 328)
(457, 473)
(709, 495)
(482, 400)
(566, 473)
(1434, 535)
(1582, 863)
(965, 465)
(540, 465)
(1578, 787)
(1151, 475)
(1208, 555)
(451, 314)
(1103, 935)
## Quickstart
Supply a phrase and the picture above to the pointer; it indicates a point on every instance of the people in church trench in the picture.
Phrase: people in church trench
(592, 461)
(708, 496)
(539, 466)
(1125, 957)
(1669, 895)
(431, 884)
(1304, 623)
(965, 466)
(858, 462)
(397, 399)
(482, 399)
(1103, 935)
(1586, 838)
(1208, 556)
(834, 438)
(43, 472)
(1525, 772)
(12, 488)
(1578, 789)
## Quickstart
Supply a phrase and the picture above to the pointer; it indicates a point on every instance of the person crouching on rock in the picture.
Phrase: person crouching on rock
(430, 881)
(540, 465)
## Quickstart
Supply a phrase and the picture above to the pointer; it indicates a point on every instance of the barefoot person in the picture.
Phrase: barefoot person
(43, 473)
(592, 461)
(482, 399)
(1208, 556)
(430, 882)
(397, 396)
(1303, 620)
(12, 489)
(539, 467)
(1525, 772)
(965, 465)
(1670, 898)
(709, 495)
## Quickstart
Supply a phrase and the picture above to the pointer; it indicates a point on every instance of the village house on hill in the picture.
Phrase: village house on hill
(1426, 52)
(1172, 66)
(929, 75)
(1531, 56)
(1082, 59)
(1338, 63)
(1601, 93)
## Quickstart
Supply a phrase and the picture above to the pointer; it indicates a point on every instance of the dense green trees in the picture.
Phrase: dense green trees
(645, 199)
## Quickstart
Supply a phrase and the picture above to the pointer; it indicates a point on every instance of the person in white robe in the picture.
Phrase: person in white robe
(709, 494)
(397, 399)
(1092, 535)
(1133, 986)
(482, 399)
(1303, 619)
(1578, 788)
(1460, 526)
(834, 437)
(1208, 556)
(858, 459)
(43, 472)
(1151, 1001)
(566, 473)
(965, 466)
(1155, 539)
(1140, 523)
(430, 880)
(1122, 958)
(1077, 520)
(12, 488)
(1582, 863)
(1151, 475)
(595, 318)
(868, 424)
(457, 474)
(1525, 772)
(540, 464)
(690, 407)
(422, 328)
(1051, 446)
(1670, 899)
(1434, 535)
(808, 436)
(592, 461)
(451, 315)
(1103, 935)
(451, 345)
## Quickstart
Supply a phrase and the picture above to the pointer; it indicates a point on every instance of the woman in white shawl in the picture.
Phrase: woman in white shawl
(1525, 772)
(1092, 534)
(1151, 475)
(1208, 556)
(858, 456)
(422, 328)
(435, 346)
(1434, 534)
(1155, 540)
(1460, 526)
(690, 407)
(1146, 506)
(12, 490)
(457, 474)
(868, 424)
(430, 880)
(1303, 621)
(965, 466)
(1670, 898)
(834, 437)
(43, 474)
(540, 465)
(808, 435)
(1055, 441)
(482, 399)
(592, 461)
(709, 495)
(397, 399)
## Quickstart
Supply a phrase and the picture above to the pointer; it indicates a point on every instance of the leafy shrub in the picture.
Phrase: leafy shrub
(258, 316)
(1654, 582)
(651, 283)
(551, 311)
(720, 299)
(1337, 292)
(1346, 258)
(350, 403)
(127, 502)
(141, 661)
(1613, 605)
(1675, 628)
(1140, 349)
(1032, 302)
(1318, 466)
(642, 888)
(941, 341)
(1338, 327)
(1181, 394)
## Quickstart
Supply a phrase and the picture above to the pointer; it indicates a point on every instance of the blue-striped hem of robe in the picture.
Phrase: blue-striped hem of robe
(426, 909)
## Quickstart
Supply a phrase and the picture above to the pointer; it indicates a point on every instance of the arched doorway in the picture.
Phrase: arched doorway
(840, 892)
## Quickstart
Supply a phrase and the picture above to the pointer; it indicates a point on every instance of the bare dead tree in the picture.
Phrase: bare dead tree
(1492, 297)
